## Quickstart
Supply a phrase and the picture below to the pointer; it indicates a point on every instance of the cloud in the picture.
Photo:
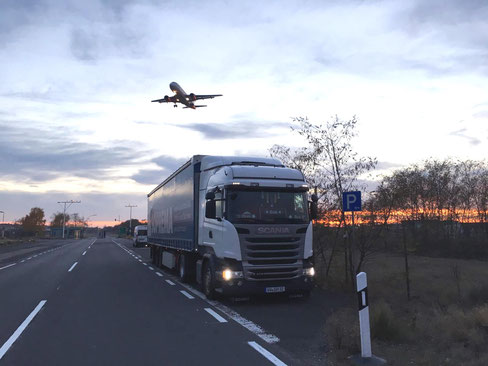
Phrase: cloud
(481, 114)
(463, 134)
(105, 206)
(168, 165)
(41, 154)
(236, 129)
(150, 176)
(381, 165)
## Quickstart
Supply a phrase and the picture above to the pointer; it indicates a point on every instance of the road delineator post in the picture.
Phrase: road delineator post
(366, 357)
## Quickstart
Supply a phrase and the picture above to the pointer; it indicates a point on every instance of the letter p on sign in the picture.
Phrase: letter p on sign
(351, 201)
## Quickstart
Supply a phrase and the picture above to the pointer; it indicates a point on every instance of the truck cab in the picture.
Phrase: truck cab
(256, 228)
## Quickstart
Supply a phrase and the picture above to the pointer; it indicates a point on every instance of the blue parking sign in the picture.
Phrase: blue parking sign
(351, 201)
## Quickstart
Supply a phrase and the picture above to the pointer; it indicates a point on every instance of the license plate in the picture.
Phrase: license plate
(270, 290)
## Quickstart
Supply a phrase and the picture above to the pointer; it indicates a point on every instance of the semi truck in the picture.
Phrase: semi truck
(239, 226)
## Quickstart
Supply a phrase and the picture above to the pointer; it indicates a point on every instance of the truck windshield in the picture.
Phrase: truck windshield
(142, 233)
(270, 207)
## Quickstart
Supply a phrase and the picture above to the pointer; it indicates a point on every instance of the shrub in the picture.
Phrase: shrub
(342, 330)
(385, 326)
(479, 294)
(481, 316)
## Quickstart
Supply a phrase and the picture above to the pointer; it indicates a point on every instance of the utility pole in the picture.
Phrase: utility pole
(64, 210)
(130, 217)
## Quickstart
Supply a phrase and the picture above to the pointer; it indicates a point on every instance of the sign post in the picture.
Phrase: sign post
(351, 201)
(366, 357)
(362, 289)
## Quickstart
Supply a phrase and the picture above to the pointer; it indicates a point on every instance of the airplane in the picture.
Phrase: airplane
(183, 98)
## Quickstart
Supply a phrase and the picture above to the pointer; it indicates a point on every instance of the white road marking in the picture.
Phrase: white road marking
(73, 266)
(159, 274)
(170, 282)
(22, 261)
(215, 315)
(10, 265)
(145, 264)
(275, 360)
(139, 260)
(84, 252)
(6, 346)
(29, 258)
(187, 294)
(249, 325)
(152, 269)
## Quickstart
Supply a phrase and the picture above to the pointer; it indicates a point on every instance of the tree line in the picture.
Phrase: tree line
(34, 223)
(435, 207)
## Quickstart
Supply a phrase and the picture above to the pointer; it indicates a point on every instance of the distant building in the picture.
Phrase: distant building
(71, 232)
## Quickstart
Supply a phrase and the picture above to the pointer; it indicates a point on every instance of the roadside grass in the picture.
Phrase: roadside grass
(444, 323)
(12, 241)
(5, 241)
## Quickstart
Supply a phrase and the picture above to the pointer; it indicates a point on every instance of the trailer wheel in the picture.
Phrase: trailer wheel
(183, 268)
(208, 282)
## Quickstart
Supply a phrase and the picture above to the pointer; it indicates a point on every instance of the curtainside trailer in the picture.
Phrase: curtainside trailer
(236, 225)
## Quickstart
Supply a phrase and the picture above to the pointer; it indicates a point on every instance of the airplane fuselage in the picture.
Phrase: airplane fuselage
(181, 95)
(187, 100)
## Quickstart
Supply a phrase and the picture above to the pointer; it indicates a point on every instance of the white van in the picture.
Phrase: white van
(140, 236)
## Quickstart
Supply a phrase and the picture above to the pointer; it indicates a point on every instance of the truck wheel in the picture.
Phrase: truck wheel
(208, 282)
(183, 268)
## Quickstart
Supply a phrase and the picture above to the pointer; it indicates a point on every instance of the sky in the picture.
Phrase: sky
(77, 77)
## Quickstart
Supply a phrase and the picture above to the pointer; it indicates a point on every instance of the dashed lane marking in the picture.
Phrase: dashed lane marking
(6, 346)
(215, 315)
(249, 325)
(187, 294)
(170, 282)
(73, 266)
(9, 265)
(272, 358)
(159, 274)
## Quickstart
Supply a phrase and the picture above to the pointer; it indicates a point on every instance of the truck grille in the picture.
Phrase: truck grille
(271, 258)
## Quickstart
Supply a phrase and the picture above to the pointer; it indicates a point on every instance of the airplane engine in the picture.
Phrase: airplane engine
(166, 98)
(192, 97)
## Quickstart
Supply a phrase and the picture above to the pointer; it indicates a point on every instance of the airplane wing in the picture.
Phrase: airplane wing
(165, 100)
(209, 96)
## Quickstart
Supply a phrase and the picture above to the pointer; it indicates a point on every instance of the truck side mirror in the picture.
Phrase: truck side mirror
(210, 196)
(314, 207)
(210, 209)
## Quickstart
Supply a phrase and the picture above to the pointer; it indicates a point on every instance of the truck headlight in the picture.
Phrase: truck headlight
(228, 274)
(309, 271)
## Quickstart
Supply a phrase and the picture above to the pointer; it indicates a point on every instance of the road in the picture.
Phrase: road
(100, 301)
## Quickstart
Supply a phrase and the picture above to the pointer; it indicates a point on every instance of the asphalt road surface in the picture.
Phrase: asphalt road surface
(101, 302)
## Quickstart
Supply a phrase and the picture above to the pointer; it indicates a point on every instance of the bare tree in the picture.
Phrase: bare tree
(333, 167)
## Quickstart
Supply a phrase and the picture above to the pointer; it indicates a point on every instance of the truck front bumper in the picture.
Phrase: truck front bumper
(241, 286)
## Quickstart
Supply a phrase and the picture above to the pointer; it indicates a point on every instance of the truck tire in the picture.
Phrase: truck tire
(183, 268)
(208, 281)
